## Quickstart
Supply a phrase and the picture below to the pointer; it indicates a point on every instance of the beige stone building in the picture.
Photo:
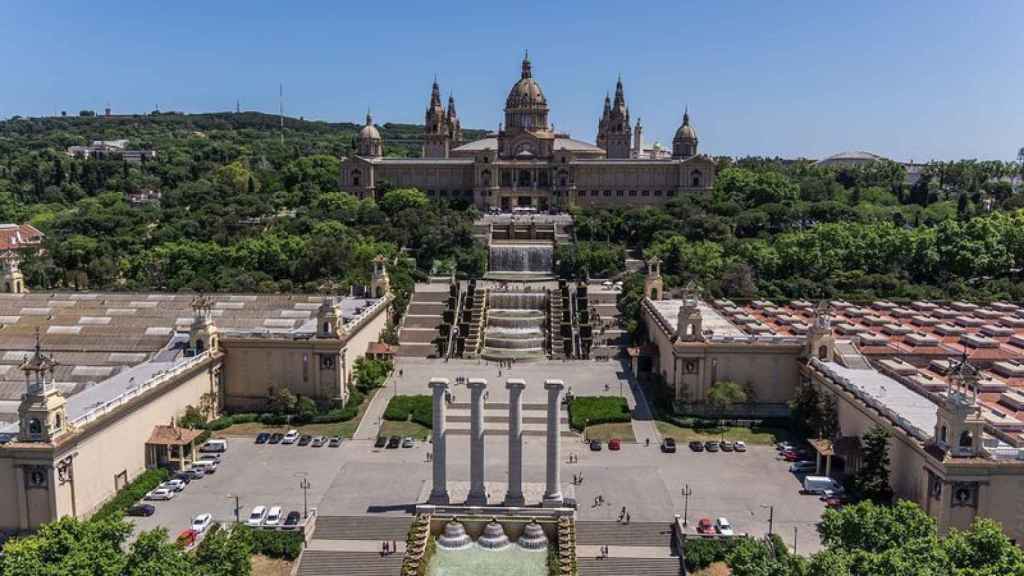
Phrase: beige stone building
(527, 163)
(93, 402)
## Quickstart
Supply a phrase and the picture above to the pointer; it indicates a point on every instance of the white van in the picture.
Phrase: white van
(820, 484)
(218, 445)
(207, 465)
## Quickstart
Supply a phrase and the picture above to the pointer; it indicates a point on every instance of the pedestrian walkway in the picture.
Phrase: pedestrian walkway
(369, 426)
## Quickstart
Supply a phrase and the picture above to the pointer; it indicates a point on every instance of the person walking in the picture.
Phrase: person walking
(627, 518)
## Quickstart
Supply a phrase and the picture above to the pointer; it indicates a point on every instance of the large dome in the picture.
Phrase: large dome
(369, 131)
(526, 93)
(686, 132)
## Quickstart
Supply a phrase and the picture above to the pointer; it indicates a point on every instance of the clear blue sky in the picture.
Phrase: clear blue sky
(911, 80)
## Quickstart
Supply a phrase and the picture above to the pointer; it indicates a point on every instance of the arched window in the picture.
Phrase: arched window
(696, 179)
(823, 353)
(327, 327)
(966, 441)
(942, 434)
(524, 178)
(355, 177)
(200, 346)
(654, 294)
(485, 178)
(7, 287)
(58, 422)
(35, 426)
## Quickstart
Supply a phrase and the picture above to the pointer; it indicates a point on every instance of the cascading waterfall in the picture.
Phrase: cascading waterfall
(532, 258)
(515, 324)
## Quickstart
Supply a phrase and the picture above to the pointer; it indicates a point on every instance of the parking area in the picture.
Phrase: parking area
(258, 474)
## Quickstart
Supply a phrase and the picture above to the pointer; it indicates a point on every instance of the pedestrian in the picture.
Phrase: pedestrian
(647, 442)
(401, 372)
(627, 517)
(394, 545)
(622, 513)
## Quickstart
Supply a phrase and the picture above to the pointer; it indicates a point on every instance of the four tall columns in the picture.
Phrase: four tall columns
(477, 491)
(553, 487)
(514, 496)
(439, 492)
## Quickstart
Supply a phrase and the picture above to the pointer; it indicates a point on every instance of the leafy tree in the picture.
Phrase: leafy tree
(152, 554)
(224, 553)
(400, 199)
(872, 479)
(282, 401)
(724, 394)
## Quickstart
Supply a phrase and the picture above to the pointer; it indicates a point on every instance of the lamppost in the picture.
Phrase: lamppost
(237, 507)
(794, 539)
(771, 516)
(686, 492)
(305, 485)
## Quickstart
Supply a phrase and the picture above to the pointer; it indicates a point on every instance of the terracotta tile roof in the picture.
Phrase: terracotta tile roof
(15, 236)
(172, 435)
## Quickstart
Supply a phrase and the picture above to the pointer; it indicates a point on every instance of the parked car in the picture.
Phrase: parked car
(273, 516)
(739, 446)
(175, 484)
(394, 442)
(723, 527)
(794, 455)
(208, 466)
(668, 445)
(141, 510)
(186, 538)
(276, 438)
(595, 445)
(257, 516)
(262, 437)
(292, 520)
(705, 526)
(201, 522)
(711, 445)
(783, 446)
(160, 494)
(318, 441)
(381, 442)
(697, 446)
(305, 439)
(821, 485)
(183, 476)
(726, 445)
(408, 442)
(291, 437)
(196, 473)
(803, 466)
(215, 445)
(836, 501)
(615, 444)
(334, 442)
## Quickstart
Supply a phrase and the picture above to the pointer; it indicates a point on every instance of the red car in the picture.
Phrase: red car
(705, 526)
(794, 455)
(187, 538)
(614, 444)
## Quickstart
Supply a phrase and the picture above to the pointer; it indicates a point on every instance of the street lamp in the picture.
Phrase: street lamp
(686, 492)
(237, 507)
(305, 485)
(771, 516)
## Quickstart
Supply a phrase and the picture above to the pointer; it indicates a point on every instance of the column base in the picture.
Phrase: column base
(555, 500)
(476, 499)
(515, 500)
(438, 498)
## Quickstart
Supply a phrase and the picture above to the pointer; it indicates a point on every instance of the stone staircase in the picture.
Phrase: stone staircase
(475, 315)
(609, 337)
(628, 566)
(560, 332)
(423, 317)
(375, 528)
(336, 563)
(633, 534)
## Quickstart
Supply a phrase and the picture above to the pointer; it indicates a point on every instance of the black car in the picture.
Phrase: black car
(292, 520)
(697, 446)
(183, 476)
(668, 445)
(711, 445)
(595, 445)
(381, 442)
(262, 437)
(305, 439)
(394, 442)
(141, 510)
(276, 438)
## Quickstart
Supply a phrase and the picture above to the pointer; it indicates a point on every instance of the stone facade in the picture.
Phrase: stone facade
(527, 163)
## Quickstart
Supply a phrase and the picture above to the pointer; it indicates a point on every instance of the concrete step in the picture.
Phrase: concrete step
(416, 350)
(414, 335)
(362, 528)
(334, 563)
(430, 296)
(616, 534)
(628, 567)
(429, 322)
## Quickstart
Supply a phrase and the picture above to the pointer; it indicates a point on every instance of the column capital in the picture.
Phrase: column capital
(554, 385)
(515, 384)
(438, 383)
(477, 383)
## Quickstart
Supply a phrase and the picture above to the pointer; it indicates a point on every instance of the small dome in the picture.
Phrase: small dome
(686, 132)
(369, 132)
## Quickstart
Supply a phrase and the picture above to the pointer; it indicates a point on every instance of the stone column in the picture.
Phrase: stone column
(514, 496)
(439, 493)
(553, 488)
(477, 491)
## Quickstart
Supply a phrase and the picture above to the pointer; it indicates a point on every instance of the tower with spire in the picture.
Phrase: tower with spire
(370, 144)
(41, 414)
(614, 132)
(454, 126)
(437, 136)
(684, 145)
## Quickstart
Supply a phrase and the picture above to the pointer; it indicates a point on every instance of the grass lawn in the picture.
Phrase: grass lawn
(753, 436)
(403, 429)
(263, 566)
(344, 429)
(605, 432)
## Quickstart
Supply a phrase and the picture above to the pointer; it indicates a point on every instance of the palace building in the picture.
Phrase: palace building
(526, 163)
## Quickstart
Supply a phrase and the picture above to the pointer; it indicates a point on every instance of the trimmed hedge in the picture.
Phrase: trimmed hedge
(283, 544)
(131, 493)
(597, 410)
(699, 553)
(418, 408)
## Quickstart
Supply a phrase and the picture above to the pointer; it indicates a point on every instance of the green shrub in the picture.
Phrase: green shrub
(597, 410)
(282, 544)
(418, 408)
(271, 419)
(131, 493)
(344, 414)
(699, 553)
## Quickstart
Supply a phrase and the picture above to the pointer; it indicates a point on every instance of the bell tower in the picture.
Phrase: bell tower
(329, 319)
(690, 322)
(437, 135)
(380, 283)
(820, 340)
(41, 414)
(203, 334)
(959, 424)
(653, 283)
(13, 281)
